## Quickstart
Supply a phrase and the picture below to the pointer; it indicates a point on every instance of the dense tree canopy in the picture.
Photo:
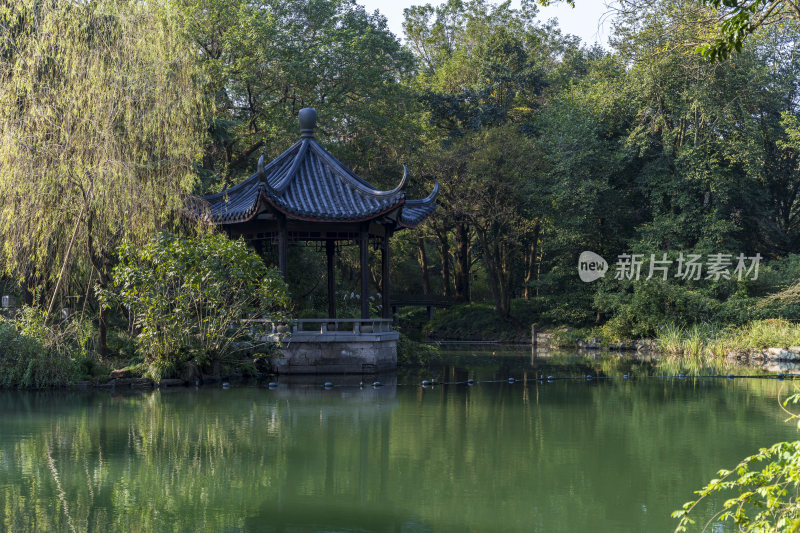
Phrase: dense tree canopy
(266, 60)
(647, 148)
(543, 147)
(100, 121)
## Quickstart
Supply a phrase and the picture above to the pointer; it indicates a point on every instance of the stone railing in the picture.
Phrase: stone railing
(356, 326)
(331, 345)
(323, 326)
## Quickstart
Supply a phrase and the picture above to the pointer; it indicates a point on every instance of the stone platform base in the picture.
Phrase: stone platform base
(337, 353)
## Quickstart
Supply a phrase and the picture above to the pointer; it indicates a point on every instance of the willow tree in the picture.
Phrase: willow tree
(100, 120)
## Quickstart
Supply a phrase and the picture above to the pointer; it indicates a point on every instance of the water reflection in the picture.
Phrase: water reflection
(501, 362)
(606, 455)
(785, 367)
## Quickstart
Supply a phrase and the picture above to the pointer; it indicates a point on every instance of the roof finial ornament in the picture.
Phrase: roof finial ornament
(308, 121)
(262, 174)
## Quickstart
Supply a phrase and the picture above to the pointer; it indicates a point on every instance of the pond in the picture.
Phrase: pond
(600, 455)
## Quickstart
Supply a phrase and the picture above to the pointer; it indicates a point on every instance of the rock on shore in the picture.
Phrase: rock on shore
(789, 354)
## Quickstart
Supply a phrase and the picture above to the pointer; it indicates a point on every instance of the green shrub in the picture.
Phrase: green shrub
(774, 276)
(412, 321)
(312, 313)
(414, 354)
(473, 321)
(35, 354)
(569, 338)
(571, 314)
(189, 296)
(642, 309)
(479, 321)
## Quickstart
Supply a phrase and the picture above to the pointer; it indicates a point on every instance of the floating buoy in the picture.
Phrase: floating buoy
(273, 385)
(588, 377)
(226, 385)
(731, 376)
(377, 384)
(681, 376)
(328, 385)
(780, 376)
(626, 376)
(511, 380)
(470, 381)
(549, 378)
(426, 383)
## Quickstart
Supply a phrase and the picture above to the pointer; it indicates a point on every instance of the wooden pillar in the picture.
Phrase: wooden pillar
(283, 245)
(330, 250)
(363, 243)
(385, 304)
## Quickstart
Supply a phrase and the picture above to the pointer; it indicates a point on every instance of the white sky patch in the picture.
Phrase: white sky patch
(588, 20)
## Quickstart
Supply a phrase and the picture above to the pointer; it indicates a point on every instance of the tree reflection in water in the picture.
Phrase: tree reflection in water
(610, 455)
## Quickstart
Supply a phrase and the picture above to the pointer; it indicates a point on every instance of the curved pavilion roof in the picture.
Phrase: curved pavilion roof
(307, 183)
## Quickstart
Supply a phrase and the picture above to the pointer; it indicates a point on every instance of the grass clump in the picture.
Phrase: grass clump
(695, 340)
(569, 338)
(716, 341)
(769, 333)
(37, 354)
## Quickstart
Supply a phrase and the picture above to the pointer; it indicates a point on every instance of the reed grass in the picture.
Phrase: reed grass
(718, 341)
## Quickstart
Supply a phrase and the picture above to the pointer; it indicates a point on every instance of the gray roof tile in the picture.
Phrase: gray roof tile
(307, 182)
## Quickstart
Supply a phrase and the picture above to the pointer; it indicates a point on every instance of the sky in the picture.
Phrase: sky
(586, 20)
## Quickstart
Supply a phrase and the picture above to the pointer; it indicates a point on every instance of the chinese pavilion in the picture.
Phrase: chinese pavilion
(306, 194)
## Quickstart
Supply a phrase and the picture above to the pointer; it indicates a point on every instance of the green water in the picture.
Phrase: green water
(569, 456)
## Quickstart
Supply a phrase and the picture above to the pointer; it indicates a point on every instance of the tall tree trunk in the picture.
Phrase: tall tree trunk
(28, 288)
(444, 255)
(463, 264)
(530, 262)
(423, 265)
(102, 328)
(64, 264)
(100, 265)
(493, 276)
(497, 262)
(504, 279)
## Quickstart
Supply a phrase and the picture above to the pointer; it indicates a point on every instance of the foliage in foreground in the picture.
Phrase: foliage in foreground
(188, 297)
(38, 355)
(766, 487)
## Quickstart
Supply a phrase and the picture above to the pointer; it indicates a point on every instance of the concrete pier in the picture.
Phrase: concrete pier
(338, 346)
